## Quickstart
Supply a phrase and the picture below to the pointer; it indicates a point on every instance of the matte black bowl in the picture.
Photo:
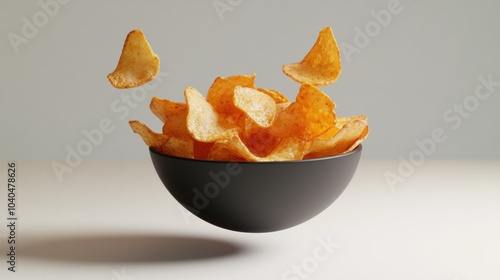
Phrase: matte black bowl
(256, 196)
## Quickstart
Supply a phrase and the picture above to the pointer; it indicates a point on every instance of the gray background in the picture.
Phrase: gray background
(413, 70)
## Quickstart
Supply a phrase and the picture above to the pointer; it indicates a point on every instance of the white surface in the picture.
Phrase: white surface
(115, 220)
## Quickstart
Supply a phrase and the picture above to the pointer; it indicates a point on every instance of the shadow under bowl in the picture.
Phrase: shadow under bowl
(256, 196)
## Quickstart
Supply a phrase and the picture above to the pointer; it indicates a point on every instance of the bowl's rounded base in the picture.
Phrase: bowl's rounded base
(256, 197)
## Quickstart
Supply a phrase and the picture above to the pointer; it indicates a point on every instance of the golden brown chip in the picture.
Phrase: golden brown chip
(261, 142)
(291, 148)
(348, 138)
(330, 132)
(164, 108)
(180, 147)
(137, 65)
(176, 125)
(161, 143)
(341, 121)
(151, 138)
(321, 66)
(308, 117)
(274, 94)
(202, 120)
(258, 106)
(221, 92)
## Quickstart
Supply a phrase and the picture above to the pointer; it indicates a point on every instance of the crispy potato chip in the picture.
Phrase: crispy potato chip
(330, 132)
(258, 106)
(308, 117)
(291, 148)
(162, 143)
(261, 142)
(321, 66)
(180, 147)
(202, 149)
(202, 120)
(348, 137)
(221, 92)
(137, 65)
(165, 109)
(151, 138)
(274, 94)
(176, 125)
(341, 121)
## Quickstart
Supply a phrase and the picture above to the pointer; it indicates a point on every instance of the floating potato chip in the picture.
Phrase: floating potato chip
(274, 94)
(202, 120)
(258, 106)
(165, 109)
(308, 117)
(162, 143)
(321, 66)
(221, 92)
(348, 137)
(137, 65)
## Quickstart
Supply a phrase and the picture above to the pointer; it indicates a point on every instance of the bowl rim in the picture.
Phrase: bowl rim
(358, 149)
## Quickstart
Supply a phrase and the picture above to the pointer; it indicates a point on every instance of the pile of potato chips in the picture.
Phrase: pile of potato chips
(238, 121)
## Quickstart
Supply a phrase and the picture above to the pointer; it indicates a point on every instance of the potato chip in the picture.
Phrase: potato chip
(348, 137)
(164, 108)
(137, 65)
(261, 142)
(202, 149)
(308, 117)
(175, 146)
(321, 66)
(291, 148)
(176, 125)
(341, 121)
(151, 138)
(258, 106)
(277, 96)
(202, 120)
(220, 94)
(180, 147)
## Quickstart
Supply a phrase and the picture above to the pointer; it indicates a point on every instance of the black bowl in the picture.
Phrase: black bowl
(256, 196)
